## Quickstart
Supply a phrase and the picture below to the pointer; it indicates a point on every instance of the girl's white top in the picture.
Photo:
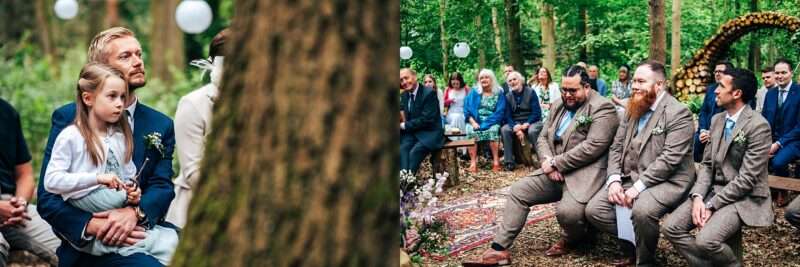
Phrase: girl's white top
(71, 172)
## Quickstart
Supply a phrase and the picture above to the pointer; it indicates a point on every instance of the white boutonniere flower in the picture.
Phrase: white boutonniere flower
(740, 139)
(584, 120)
(153, 141)
(658, 130)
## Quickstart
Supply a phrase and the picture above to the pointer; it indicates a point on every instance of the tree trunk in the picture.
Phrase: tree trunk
(658, 32)
(676, 36)
(497, 43)
(112, 13)
(95, 23)
(43, 30)
(548, 37)
(754, 57)
(583, 54)
(481, 52)
(514, 35)
(167, 39)
(301, 167)
(445, 50)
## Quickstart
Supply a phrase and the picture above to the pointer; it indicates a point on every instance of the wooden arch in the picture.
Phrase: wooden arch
(692, 77)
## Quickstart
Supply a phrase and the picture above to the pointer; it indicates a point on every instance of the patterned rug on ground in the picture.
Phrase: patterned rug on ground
(473, 220)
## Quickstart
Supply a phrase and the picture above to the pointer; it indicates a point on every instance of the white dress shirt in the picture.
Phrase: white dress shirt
(71, 172)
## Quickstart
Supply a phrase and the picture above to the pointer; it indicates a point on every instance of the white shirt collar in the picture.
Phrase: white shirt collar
(132, 108)
(415, 90)
(658, 100)
(788, 86)
(735, 116)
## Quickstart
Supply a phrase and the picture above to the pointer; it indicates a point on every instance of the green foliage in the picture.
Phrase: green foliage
(695, 103)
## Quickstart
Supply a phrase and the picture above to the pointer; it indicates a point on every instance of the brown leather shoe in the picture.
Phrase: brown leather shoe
(490, 257)
(625, 261)
(557, 249)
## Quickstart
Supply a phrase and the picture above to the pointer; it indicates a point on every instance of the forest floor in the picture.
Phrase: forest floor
(777, 245)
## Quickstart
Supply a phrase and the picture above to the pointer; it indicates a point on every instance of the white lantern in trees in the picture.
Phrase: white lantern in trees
(193, 16)
(461, 49)
(405, 52)
(66, 9)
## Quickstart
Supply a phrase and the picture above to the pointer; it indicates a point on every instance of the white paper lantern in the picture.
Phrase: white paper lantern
(193, 16)
(66, 9)
(461, 49)
(405, 52)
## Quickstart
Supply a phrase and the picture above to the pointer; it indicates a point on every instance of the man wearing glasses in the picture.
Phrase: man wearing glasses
(650, 168)
(708, 110)
(574, 151)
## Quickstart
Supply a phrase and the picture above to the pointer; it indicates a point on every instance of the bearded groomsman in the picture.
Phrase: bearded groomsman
(731, 188)
(650, 164)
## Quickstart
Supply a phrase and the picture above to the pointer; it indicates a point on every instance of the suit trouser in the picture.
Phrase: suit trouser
(539, 189)
(645, 215)
(36, 237)
(412, 152)
(709, 248)
(792, 212)
(782, 158)
(508, 136)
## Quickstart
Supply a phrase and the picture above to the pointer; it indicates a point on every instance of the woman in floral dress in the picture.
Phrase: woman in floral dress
(484, 109)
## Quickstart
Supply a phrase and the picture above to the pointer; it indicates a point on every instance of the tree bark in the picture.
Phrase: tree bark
(676, 36)
(658, 33)
(445, 50)
(583, 54)
(301, 167)
(95, 23)
(112, 13)
(497, 41)
(754, 55)
(548, 36)
(43, 30)
(167, 39)
(514, 35)
(481, 52)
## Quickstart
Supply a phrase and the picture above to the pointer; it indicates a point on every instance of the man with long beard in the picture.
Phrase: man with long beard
(650, 164)
(573, 146)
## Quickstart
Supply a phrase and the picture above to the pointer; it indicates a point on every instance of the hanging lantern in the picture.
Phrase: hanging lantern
(66, 9)
(193, 16)
(461, 49)
(405, 52)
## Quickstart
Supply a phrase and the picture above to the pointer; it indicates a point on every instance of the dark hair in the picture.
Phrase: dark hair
(432, 78)
(727, 64)
(656, 67)
(456, 76)
(743, 80)
(767, 69)
(574, 70)
(784, 61)
(217, 46)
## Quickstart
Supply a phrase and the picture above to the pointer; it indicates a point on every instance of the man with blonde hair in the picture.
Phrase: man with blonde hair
(154, 139)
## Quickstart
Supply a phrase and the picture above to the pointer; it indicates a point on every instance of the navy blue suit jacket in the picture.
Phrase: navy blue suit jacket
(784, 129)
(68, 222)
(423, 120)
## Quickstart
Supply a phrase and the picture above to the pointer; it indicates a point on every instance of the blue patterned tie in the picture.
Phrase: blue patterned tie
(562, 127)
(729, 124)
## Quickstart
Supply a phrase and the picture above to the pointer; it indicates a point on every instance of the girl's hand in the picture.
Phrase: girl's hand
(134, 194)
(110, 180)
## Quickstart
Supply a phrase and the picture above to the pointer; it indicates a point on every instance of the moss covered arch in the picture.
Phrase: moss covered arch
(692, 77)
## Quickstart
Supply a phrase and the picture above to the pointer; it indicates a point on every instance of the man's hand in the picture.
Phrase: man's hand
(97, 224)
(546, 167)
(704, 136)
(555, 176)
(698, 212)
(517, 128)
(117, 228)
(630, 196)
(19, 213)
(616, 194)
(774, 149)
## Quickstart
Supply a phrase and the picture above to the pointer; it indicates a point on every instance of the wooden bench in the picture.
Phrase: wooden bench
(449, 161)
(785, 183)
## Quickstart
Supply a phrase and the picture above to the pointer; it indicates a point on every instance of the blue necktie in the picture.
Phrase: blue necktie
(643, 121)
(565, 121)
(729, 124)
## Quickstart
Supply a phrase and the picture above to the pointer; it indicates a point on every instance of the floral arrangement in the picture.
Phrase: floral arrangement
(421, 233)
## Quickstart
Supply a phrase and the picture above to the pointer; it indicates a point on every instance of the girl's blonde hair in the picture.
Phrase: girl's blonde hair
(92, 78)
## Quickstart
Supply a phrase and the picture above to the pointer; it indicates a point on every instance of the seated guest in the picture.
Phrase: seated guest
(594, 78)
(523, 117)
(768, 76)
(546, 89)
(707, 110)
(731, 189)
(621, 88)
(429, 81)
(781, 107)
(575, 152)
(454, 97)
(485, 110)
(192, 125)
(650, 166)
(24, 229)
(421, 131)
